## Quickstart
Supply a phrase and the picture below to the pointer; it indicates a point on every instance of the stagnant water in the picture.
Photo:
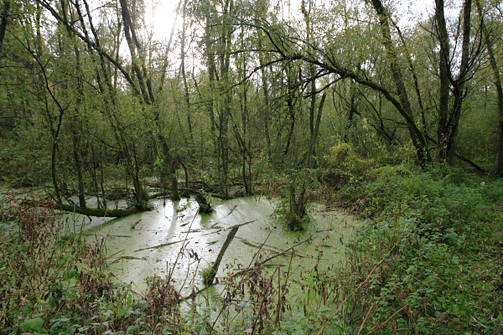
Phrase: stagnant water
(174, 240)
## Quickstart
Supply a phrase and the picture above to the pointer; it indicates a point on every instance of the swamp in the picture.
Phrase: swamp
(251, 167)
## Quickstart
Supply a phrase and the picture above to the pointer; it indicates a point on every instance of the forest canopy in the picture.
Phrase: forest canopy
(238, 88)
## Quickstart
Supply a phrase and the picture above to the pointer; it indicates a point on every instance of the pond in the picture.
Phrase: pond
(175, 241)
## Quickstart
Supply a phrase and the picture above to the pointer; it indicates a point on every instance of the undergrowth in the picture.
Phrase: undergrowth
(436, 236)
(427, 261)
(52, 282)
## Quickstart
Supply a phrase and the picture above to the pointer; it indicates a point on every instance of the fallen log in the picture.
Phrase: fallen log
(242, 224)
(265, 247)
(262, 263)
(209, 277)
(199, 191)
(102, 212)
(223, 229)
(232, 210)
(109, 235)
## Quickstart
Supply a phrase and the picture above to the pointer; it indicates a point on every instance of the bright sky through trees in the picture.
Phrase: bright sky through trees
(161, 13)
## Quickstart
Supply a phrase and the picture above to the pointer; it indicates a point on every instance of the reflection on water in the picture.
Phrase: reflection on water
(173, 240)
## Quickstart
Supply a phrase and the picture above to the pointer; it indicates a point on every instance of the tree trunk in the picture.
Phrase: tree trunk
(498, 86)
(220, 83)
(55, 129)
(210, 276)
(297, 207)
(224, 145)
(417, 137)
(134, 48)
(267, 112)
(175, 195)
(245, 118)
(290, 101)
(78, 168)
(104, 212)
(316, 131)
(184, 78)
(94, 177)
(76, 139)
(169, 168)
(108, 91)
(3, 23)
(138, 60)
(448, 122)
(53, 171)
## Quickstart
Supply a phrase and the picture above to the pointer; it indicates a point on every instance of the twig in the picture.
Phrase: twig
(265, 246)
(158, 246)
(367, 316)
(181, 249)
(324, 325)
(232, 210)
(271, 257)
(385, 322)
(111, 235)
(375, 268)
(236, 287)
(242, 224)
(128, 258)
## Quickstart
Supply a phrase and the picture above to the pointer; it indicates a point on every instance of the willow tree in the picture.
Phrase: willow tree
(242, 133)
(337, 49)
(70, 17)
(218, 20)
(3, 22)
(138, 77)
(454, 75)
(143, 77)
(491, 35)
(24, 99)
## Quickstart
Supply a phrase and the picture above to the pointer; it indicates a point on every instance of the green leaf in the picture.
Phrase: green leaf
(73, 274)
(33, 324)
(52, 302)
(285, 192)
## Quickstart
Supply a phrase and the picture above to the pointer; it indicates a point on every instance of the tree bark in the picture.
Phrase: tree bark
(76, 139)
(78, 168)
(3, 23)
(417, 137)
(316, 131)
(291, 87)
(108, 213)
(184, 78)
(208, 280)
(448, 122)
(134, 48)
(267, 112)
(498, 86)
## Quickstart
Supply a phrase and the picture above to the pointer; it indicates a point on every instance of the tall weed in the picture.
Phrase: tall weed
(442, 271)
